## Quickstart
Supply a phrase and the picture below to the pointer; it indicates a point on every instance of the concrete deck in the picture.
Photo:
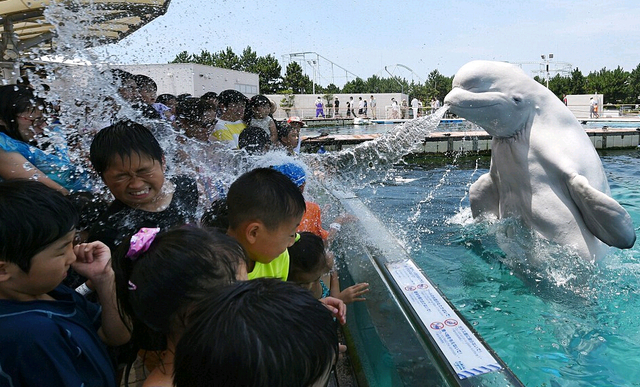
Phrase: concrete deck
(480, 141)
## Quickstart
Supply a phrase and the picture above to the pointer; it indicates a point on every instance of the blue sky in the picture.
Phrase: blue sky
(366, 36)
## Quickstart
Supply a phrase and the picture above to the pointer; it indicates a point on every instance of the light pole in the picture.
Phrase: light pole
(546, 60)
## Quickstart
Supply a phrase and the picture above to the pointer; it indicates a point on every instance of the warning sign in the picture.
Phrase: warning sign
(466, 354)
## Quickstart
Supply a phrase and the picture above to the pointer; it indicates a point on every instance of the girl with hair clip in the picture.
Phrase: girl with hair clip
(258, 113)
(159, 276)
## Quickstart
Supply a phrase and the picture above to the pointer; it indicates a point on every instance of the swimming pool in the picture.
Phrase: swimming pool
(567, 324)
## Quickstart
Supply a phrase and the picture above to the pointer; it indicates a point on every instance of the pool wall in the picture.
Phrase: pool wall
(476, 141)
(388, 341)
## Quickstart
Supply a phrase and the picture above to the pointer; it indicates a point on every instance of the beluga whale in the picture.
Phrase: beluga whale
(544, 169)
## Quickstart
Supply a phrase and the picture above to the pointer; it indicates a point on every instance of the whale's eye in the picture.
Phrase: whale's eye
(517, 99)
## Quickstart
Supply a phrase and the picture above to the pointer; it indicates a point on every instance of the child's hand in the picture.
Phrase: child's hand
(93, 261)
(337, 308)
(354, 293)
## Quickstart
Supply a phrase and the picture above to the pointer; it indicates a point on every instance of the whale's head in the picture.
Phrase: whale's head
(497, 96)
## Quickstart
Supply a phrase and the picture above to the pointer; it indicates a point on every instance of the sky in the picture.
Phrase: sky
(364, 37)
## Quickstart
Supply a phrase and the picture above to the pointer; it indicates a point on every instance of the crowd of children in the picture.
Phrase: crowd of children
(104, 258)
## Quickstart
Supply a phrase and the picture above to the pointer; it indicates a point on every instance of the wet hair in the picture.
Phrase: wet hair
(253, 139)
(191, 109)
(209, 95)
(14, 100)
(283, 129)
(32, 216)
(231, 96)
(307, 255)
(145, 82)
(217, 215)
(266, 195)
(180, 266)
(259, 333)
(165, 98)
(122, 139)
(121, 76)
(254, 102)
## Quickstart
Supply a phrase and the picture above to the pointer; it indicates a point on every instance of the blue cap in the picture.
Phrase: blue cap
(292, 171)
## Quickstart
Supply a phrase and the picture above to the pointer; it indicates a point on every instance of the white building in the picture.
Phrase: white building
(196, 79)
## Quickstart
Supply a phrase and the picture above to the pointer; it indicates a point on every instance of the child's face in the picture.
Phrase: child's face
(234, 111)
(148, 95)
(269, 244)
(311, 279)
(261, 111)
(31, 123)
(135, 180)
(48, 268)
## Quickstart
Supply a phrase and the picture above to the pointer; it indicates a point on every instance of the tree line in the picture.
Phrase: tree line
(617, 86)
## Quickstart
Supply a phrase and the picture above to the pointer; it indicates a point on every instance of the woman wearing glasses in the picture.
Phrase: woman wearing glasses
(25, 152)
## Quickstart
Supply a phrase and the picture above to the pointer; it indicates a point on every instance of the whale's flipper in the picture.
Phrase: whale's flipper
(605, 218)
(484, 197)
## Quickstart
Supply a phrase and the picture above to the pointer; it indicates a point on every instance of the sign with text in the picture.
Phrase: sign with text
(462, 349)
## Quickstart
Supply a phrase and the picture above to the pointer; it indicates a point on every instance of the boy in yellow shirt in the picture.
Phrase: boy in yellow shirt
(265, 209)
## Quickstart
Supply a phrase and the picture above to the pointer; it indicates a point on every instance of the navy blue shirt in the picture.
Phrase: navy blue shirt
(53, 343)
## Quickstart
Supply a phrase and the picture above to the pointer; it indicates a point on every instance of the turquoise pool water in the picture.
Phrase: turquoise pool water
(564, 324)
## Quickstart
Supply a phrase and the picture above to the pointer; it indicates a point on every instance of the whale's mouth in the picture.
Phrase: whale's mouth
(472, 106)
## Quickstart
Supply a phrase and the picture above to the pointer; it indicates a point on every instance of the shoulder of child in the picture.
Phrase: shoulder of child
(186, 191)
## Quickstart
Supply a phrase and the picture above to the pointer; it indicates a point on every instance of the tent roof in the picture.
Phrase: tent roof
(23, 25)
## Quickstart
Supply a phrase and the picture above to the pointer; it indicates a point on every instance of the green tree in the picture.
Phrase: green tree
(633, 87)
(577, 82)
(269, 70)
(333, 89)
(183, 57)
(296, 81)
(439, 84)
(356, 86)
(227, 59)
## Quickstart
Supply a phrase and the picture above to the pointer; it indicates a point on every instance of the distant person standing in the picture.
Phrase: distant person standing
(361, 106)
(365, 107)
(415, 104)
(564, 99)
(372, 105)
(353, 106)
(592, 107)
(395, 110)
(336, 107)
(349, 108)
(319, 107)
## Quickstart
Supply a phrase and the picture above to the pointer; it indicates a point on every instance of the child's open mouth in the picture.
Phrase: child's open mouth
(140, 193)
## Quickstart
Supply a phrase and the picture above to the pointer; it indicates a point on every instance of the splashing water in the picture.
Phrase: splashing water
(369, 160)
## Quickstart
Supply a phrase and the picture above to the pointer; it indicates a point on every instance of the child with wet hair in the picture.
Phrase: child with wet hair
(288, 137)
(132, 165)
(264, 211)
(258, 113)
(254, 140)
(260, 333)
(231, 104)
(49, 334)
(310, 262)
(160, 275)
